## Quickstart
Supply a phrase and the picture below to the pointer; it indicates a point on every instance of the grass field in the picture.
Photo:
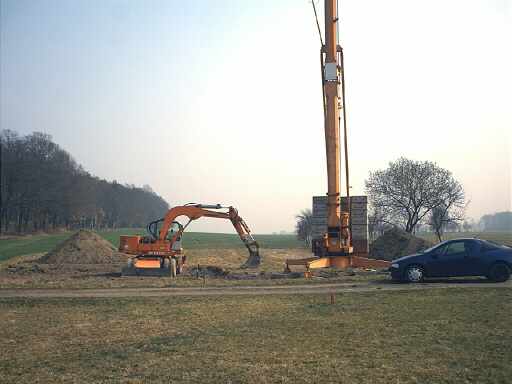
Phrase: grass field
(107, 275)
(27, 245)
(499, 237)
(460, 336)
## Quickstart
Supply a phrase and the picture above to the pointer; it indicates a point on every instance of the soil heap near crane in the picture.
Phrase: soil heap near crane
(395, 242)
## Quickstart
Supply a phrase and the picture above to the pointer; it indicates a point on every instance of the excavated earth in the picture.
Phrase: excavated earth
(84, 255)
(395, 243)
(84, 247)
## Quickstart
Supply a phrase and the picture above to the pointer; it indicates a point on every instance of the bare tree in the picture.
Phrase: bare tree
(377, 223)
(443, 216)
(304, 226)
(1, 183)
(450, 211)
(407, 191)
(468, 225)
(500, 221)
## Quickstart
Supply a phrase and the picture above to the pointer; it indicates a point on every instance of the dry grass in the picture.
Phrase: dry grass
(499, 237)
(231, 259)
(12, 246)
(437, 336)
(108, 275)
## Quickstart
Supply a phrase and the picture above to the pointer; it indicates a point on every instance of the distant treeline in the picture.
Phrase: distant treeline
(501, 221)
(43, 188)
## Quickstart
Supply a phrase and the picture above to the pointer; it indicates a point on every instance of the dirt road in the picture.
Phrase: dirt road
(246, 291)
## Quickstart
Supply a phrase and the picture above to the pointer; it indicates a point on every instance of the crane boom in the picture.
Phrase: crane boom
(337, 240)
(334, 248)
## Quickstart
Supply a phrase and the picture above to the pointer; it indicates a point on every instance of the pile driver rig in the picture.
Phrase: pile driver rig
(161, 252)
(334, 248)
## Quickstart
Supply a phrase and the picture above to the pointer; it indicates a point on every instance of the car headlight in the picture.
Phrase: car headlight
(395, 265)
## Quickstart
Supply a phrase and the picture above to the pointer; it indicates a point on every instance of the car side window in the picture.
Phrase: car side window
(439, 250)
(454, 248)
(472, 247)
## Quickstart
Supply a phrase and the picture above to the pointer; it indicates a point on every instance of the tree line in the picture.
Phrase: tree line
(42, 188)
(500, 221)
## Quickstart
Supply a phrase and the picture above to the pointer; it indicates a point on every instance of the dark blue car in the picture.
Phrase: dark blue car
(458, 257)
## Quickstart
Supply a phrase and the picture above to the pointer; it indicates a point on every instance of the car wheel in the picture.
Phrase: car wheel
(414, 274)
(499, 272)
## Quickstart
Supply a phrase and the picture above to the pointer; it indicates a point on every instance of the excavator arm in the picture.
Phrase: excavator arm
(196, 211)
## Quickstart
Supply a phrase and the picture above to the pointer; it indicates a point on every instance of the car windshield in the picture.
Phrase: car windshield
(434, 247)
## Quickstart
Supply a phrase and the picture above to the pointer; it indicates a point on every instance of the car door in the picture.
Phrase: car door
(434, 263)
(448, 260)
(474, 261)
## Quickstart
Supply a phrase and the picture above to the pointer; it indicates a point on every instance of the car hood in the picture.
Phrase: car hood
(405, 258)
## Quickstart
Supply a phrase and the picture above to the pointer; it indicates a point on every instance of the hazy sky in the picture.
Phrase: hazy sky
(220, 101)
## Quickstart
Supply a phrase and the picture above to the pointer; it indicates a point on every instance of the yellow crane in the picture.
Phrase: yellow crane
(334, 248)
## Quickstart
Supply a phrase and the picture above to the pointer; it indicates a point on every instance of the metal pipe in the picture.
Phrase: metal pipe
(332, 129)
(342, 65)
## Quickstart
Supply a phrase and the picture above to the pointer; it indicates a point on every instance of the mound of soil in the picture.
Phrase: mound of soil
(207, 270)
(395, 243)
(84, 247)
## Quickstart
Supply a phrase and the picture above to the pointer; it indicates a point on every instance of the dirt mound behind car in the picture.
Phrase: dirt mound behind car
(395, 243)
(84, 247)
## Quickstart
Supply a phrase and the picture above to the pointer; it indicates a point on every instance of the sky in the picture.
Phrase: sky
(220, 101)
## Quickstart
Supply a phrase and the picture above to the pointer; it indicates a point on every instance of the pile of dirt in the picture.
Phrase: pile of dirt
(395, 243)
(206, 270)
(25, 269)
(84, 247)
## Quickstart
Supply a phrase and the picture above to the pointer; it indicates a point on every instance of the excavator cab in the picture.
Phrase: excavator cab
(175, 229)
(154, 228)
(154, 257)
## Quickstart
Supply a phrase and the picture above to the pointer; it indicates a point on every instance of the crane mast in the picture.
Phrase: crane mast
(334, 248)
(337, 240)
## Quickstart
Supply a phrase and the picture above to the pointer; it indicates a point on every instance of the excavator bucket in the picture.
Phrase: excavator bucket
(254, 259)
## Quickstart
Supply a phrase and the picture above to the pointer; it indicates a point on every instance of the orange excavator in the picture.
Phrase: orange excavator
(161, 254)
